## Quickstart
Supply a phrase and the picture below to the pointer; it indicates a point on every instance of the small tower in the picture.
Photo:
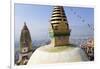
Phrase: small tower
(59, 29)
(25, 46)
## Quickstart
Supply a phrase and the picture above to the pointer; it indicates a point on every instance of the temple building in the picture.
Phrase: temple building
(60, 50)
(59, 29)
(25, 46)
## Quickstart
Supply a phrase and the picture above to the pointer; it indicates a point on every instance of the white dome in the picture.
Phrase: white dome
(49, 54)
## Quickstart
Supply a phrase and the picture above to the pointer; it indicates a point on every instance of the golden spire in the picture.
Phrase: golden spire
(59, 30)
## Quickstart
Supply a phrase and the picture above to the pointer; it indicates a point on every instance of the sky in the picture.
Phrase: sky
(37, 17)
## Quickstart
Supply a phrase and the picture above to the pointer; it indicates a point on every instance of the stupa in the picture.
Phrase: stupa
(59, 50)
(25, 46)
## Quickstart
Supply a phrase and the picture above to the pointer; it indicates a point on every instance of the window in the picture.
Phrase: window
(25, 50)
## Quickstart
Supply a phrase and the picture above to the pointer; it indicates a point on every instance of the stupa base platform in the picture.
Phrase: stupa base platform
(49, 54)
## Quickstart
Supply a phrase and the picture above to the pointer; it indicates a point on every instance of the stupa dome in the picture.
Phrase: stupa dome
(49, 54)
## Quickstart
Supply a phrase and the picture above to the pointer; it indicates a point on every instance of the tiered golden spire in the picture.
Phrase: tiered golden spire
(59, 30)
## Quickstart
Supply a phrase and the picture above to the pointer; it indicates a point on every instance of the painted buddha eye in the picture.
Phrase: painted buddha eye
(55, 27)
